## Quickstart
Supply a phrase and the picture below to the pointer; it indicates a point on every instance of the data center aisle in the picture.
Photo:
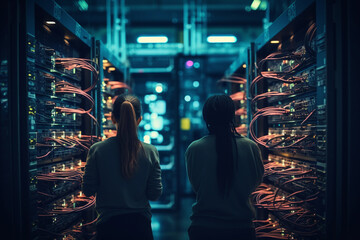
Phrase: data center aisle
(168, 225)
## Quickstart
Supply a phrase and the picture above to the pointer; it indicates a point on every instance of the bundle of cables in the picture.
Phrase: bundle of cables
(68, 142)
(275, 168)
(233, 79)
(66, 87)
(76, 204)
(301, 59)
(117, 85)
(269, 229)
(71, 63)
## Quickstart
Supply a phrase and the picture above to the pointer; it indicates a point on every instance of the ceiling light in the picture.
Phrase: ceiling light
(152, 39)
(82, 5)
(221, 39)
(274, 41)
(255, 4)
(50, 22)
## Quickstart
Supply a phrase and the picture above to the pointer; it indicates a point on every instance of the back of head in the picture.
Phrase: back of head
(126, 112)
(219, 113)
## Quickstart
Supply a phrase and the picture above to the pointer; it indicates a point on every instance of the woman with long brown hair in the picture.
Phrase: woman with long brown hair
(124, 174)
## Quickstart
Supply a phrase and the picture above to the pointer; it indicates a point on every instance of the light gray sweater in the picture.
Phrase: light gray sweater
(116, 195)
(210, 208)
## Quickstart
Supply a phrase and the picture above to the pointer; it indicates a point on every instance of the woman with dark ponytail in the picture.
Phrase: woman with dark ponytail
(124, 174)
(224, 168)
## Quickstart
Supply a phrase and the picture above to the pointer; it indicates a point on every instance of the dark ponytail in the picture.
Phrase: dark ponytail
(126, 111)
(219, 113)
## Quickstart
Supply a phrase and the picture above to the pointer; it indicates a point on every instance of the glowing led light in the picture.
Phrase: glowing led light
(160, 138)
(255, 4)
(274, 41)
(50, 22)
(157, 123)
(152, 39)
(147, 116)
(196, 84)
(244, 65)
(187, 98)
(105, 61)
(111, 69)
(159, 88)
(153, 115)
(196, 104)
(189, 64)
(82, 5)
(147, 139)
(154, 134)
(147, 127)
(155, 225)
(152, 97)
(221, 39)
(263, 5)
(196, 64)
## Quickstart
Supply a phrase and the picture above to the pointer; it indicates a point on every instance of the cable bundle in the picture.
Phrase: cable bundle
(71, 63)
(83, 143)
(68, 175)
(77, 204)
(269, 229)
(233, 79)
(116, 85)
(238, 96)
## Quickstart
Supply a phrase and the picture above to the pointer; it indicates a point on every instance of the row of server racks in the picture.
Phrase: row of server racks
(58, 85)
(289, 93)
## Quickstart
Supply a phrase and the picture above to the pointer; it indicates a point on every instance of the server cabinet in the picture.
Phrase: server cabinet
(287, 115)
(289, 122)
(55, 77)
(235, 84)
(112, 83)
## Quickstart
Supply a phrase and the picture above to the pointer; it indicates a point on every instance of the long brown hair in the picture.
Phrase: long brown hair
(126, 110)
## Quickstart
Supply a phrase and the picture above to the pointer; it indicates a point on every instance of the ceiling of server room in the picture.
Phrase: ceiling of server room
(166, 16)
(240, 18)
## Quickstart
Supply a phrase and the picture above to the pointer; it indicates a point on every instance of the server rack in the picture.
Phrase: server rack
(287, 115)
(113, 76)
(290, 89)
(235, 84)
(153, 79)
(52, 92)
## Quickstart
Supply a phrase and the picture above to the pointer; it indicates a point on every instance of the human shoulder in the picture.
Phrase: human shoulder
(102, 144)
(242, 140)
(245, 140)
(148, 147)
(200, 143)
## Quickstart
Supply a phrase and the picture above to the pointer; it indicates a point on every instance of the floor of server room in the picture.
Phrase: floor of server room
(173, 225)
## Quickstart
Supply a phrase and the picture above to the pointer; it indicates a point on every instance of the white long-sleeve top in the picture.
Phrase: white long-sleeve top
(210, 208)
(115, 194)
